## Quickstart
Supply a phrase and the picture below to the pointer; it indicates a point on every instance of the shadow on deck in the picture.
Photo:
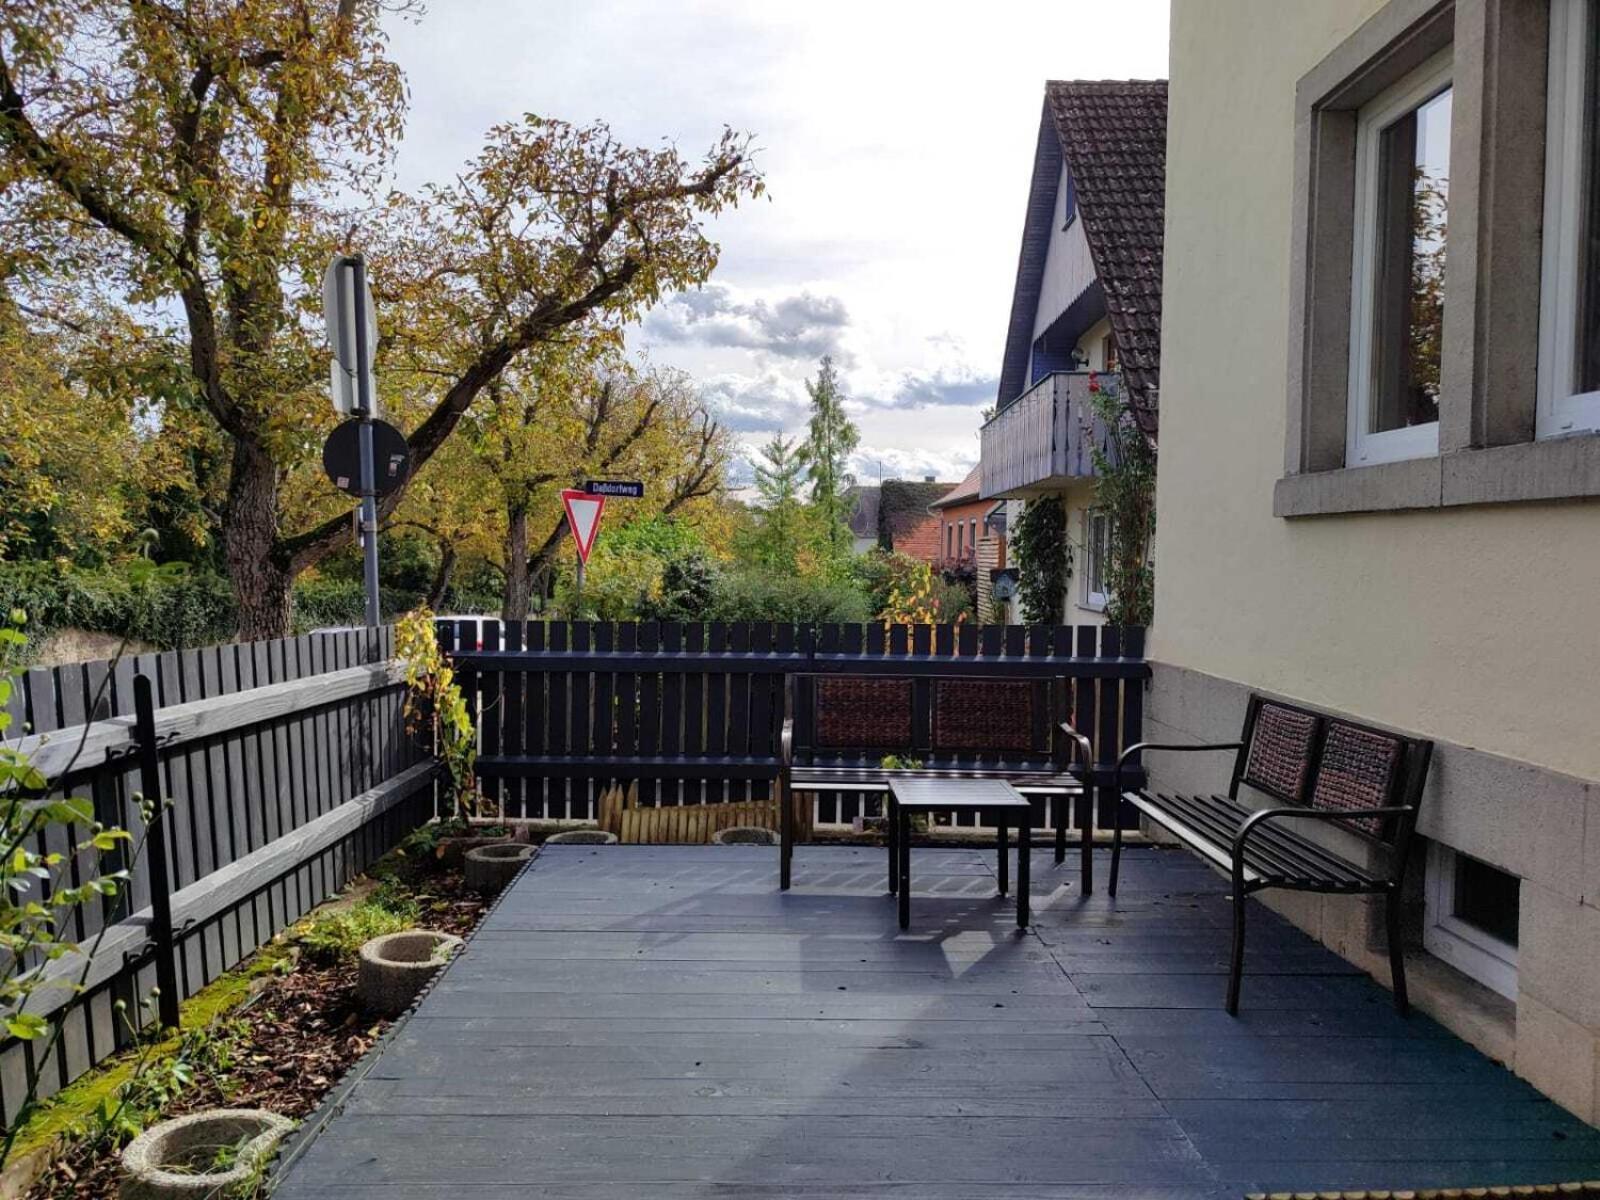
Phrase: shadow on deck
(661, 1022)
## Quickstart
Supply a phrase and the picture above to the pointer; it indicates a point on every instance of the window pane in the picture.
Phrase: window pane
(1487, 899)
(1413, 206)
(1586, 376)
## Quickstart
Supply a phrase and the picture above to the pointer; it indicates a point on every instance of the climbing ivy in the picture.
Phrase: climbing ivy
(1125, 489)
(1044, 559)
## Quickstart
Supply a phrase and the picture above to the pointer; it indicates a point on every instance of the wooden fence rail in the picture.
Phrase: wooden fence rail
(693, 710)
(288, 769)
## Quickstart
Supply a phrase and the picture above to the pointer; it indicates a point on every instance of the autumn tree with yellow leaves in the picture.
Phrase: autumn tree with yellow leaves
(195, 163)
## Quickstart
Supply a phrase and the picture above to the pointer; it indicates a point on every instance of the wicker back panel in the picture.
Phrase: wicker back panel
(1280, 751)
(1357, 772)
(866, 714)
(982, 715)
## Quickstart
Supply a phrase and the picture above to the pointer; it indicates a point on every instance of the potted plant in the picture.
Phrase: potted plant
(437, 709)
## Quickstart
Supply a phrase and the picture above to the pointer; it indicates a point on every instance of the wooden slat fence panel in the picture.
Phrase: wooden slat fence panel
(714, 694)
(253, 793)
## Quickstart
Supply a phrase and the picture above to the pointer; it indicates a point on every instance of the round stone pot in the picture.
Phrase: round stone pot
(395, 967)
(490, 868)
(582, 837)
(452, 851)
(744, 835)
(217, 1153)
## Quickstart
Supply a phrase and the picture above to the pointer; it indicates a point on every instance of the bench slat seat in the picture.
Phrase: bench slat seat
(1274, 856)
(1037, 781)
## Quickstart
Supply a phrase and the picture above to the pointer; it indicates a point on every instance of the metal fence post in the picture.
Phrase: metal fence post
(156, 847)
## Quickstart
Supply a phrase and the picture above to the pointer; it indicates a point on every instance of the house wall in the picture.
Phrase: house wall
(1473, 626)
(1093, 345)
(1078, 498)
(1068, 267)
(961, 516)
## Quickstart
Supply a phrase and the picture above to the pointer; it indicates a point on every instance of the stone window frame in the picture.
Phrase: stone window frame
(1488, 404)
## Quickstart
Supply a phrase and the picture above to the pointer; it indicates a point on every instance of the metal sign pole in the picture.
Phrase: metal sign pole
(369, 473)
(577, 600)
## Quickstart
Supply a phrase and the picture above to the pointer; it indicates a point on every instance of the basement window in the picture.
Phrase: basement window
(1472, 915)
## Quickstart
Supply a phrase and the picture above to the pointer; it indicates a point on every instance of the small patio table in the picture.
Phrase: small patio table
(994, 797)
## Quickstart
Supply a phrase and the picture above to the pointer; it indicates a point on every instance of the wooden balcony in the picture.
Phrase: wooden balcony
(1043, 440)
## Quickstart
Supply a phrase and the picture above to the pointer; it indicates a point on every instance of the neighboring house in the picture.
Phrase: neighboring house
(972, 537)
(1380, 469)
(1086, 309)
(864, 518)
(905, 522)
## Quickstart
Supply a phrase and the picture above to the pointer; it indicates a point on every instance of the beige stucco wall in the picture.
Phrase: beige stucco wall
(1477, 625)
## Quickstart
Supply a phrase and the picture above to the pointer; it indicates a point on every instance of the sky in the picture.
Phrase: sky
(896, 140)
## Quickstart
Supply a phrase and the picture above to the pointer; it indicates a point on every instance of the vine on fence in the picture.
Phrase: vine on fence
(434, 701)
(1125, 488)
(1044, 559)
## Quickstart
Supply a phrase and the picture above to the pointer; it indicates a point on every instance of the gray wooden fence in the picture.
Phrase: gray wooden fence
(288, 769)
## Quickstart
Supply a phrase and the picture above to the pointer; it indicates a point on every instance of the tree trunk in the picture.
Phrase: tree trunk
(261, 577)
(441, 577)
(519, 581)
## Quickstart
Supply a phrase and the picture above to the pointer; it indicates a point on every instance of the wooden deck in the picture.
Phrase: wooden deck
(660, 1022)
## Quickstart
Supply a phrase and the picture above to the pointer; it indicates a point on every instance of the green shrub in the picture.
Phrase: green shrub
(328, 938)
(170, 609)
(320, 602)
(761, 596)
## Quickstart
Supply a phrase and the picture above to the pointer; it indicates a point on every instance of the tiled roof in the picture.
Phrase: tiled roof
(964, 491)
(1113, 134)
(864, 516)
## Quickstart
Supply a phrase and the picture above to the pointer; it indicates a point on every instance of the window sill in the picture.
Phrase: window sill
(1092, 606)
(1558, 469)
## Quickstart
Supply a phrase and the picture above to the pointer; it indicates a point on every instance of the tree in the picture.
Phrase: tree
(831, 439)
(198, 164)
(566, 415)
(779, 478)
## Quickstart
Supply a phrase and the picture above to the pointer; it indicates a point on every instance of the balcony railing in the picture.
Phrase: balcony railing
(1045, 438)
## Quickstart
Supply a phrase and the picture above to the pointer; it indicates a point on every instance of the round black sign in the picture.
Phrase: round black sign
(341, 457)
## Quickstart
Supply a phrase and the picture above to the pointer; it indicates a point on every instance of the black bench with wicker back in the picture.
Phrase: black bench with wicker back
(965, 726)
(1316, 768)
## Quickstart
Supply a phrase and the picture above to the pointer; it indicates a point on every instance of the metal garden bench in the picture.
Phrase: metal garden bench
(1317, 768)
(962, 726)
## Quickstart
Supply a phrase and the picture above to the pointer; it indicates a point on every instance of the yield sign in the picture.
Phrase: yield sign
(583, 517)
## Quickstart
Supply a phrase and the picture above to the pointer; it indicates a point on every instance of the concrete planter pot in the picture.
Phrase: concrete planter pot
(452, 851)
(217, 1153)
(744, 835)
(395, 967)
(582, 837)
(490, 868)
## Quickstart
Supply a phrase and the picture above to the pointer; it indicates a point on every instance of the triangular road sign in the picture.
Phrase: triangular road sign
(583, 518)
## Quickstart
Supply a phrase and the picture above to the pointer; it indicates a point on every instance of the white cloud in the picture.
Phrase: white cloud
(897, 154)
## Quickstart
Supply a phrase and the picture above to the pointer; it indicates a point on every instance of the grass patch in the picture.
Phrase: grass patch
(329, 937)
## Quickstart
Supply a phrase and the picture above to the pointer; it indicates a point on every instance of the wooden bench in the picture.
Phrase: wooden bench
(963, 726)
(1316, 768)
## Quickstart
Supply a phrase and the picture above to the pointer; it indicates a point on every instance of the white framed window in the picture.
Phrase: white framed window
(1569, 279)
(1471, 913)
(1096, 556)
(1397, 277)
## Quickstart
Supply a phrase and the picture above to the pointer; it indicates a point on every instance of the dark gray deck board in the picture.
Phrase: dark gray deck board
(660, 1022)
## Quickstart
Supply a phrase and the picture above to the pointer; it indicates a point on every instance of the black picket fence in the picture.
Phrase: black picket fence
(287, 769)
(693, 712)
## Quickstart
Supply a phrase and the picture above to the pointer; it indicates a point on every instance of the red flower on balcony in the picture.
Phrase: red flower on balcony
(1094, 383)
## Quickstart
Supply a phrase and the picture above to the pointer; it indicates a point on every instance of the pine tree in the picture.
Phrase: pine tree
(831, 439)
(779, 478)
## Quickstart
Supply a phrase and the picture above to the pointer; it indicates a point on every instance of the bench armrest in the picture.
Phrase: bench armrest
(786, 743)
(1085, 746)
(1307, 814)
(1123, 758)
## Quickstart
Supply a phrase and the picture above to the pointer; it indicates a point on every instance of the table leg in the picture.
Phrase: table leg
(1062, 808)
(903, 837)
(1024, 863)
(1000, 840)
(892, 820)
